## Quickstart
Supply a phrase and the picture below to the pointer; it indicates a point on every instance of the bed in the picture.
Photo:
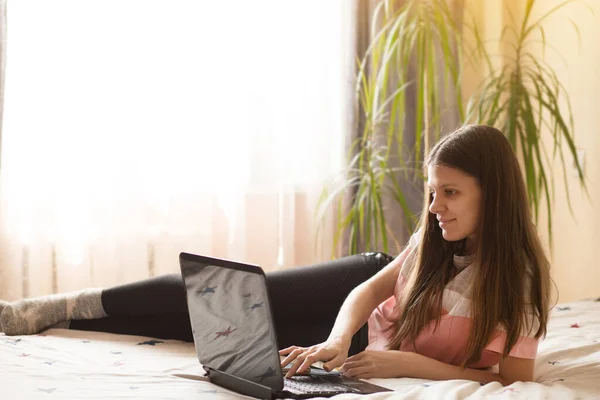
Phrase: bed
(69, 364)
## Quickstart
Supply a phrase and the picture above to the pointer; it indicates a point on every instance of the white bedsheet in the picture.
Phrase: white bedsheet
(66, 364)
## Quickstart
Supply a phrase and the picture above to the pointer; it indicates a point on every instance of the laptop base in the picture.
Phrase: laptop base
(239, 385)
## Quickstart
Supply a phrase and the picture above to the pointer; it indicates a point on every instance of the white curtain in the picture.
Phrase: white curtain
(137, 129)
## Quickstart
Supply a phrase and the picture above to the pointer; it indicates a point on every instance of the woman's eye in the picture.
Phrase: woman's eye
(450, 192)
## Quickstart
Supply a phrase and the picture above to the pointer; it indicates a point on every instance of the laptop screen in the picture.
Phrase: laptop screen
(231, 319)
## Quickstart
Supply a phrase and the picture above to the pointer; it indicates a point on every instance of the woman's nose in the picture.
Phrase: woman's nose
(436, 204)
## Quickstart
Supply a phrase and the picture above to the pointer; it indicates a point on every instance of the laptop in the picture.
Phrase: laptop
(235, 336)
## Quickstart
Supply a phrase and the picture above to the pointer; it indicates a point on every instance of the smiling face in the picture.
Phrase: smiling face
(456, 203)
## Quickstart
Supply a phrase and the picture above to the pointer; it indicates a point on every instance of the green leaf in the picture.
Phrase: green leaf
(537, 23)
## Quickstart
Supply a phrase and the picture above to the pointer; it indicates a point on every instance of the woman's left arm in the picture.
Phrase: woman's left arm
(396, 364)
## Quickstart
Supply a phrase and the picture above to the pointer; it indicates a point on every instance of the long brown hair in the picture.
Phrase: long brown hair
(511, 278)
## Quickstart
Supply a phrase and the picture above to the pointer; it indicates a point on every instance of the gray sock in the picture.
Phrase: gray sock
(29, 316)
(61, 325)
(3, 304)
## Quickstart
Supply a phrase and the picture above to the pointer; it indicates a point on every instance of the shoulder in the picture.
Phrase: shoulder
(415, 238)
(410, 253)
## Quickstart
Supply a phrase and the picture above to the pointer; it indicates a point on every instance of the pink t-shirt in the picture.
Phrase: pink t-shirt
(448, 342)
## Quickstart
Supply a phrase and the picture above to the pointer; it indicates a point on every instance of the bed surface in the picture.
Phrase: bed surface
(69, 364)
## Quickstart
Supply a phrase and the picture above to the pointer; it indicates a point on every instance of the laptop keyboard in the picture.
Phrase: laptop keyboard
(308, 384)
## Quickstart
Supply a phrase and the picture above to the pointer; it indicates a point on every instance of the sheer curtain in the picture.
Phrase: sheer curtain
(134, 130)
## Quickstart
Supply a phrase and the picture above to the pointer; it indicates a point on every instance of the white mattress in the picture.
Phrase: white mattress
(65, 364)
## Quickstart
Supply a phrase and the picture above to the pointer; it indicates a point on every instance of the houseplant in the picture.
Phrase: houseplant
(519, 97)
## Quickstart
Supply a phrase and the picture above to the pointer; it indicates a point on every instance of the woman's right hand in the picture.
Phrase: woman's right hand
(332, 352)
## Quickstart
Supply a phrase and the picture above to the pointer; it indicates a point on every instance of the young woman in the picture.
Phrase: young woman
(469, 291)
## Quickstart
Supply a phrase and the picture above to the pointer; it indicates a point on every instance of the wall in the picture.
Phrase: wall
(575, 248)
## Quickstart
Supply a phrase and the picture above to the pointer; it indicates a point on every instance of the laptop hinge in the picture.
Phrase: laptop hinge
(240, 385)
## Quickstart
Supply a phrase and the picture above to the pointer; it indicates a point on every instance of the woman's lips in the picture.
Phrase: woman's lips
(446, 222)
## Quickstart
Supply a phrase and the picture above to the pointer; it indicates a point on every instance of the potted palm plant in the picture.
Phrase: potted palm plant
(523, 97)
(419, 47)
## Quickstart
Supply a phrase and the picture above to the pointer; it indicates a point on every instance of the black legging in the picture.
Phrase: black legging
(305, 302)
